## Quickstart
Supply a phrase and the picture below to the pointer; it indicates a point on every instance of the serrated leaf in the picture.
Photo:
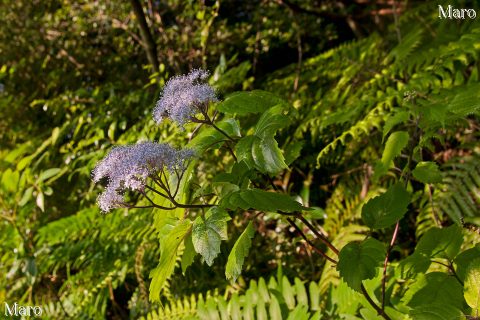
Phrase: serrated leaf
(188, 254)
(168, 253)
(396, 142)
(427, 172)
(435, 287)
(242, 103)
(442, 243)
(210, 137)
(386, 209)
(472, 285)
(358, 261)
(412, 265)
(239, 252)
(261, 150)
(261, 200)
(208, 233)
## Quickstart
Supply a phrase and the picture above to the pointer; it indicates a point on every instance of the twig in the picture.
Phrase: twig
(385, 263)
(323, 254)
(451, 269)
(318, 234)
(373, 304)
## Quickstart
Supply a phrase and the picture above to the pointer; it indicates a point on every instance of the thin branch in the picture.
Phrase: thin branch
(157, 192)
(148, 41)
(179, 178)
(373, 304)
(129, 206)
(450, 268)
(385, 263)
(318, 234)
(323, 254)
(221, 131)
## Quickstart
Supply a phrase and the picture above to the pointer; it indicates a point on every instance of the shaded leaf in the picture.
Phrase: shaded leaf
(261, 200)
(436, 311)
(386, 209)
(358, 261)
(427, 172)
(242, 103)
(435, 287)
(442, 243)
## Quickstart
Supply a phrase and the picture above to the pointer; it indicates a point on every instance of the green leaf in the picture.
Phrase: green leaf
(392, 121)
(463, 260)
(435, 287)
(239, 253)
(255, 101)
(10, 180)
(48, 174)
(168, 254)
(261, 200)
(188, 254)
(261, 150)
(210, 137)
(27, 195)
(293, 151)
(436, 311)
(55, 135)
(427, 172)
(472, 285)
(208, 233)
(412, 265)
(387, 208)
(467, 101)
(396, 142)
(441, 243)
(239, 174)
(358, 261)
(271, 121)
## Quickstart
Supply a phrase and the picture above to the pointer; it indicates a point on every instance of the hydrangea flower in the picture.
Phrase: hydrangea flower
(128, 167)
(183, 96)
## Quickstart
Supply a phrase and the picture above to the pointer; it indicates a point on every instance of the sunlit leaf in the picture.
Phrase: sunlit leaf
(239, 252)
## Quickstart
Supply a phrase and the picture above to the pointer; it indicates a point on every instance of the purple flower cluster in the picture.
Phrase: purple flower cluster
(183, 96)
(128, 167)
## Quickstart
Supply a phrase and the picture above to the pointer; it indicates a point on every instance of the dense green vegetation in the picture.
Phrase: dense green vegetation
(336, 177)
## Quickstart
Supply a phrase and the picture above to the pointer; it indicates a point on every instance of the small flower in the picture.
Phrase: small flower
(183, 96)
(128, 167)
